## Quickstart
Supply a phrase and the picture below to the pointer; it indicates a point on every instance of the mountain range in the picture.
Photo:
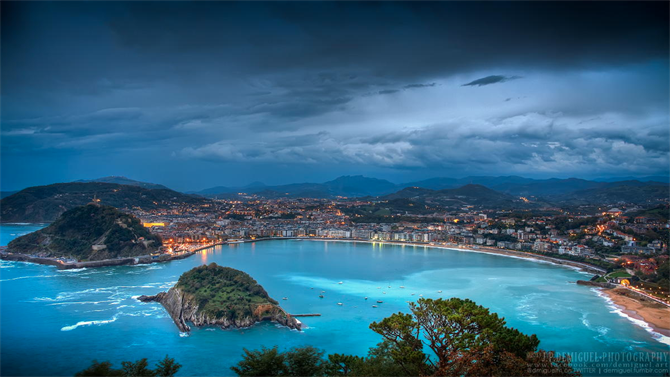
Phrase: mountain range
(46, 203)
(360, 186)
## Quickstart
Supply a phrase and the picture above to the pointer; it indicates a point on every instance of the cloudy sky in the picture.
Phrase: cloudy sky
(199, 94)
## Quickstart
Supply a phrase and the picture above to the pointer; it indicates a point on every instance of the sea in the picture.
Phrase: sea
(55, 322)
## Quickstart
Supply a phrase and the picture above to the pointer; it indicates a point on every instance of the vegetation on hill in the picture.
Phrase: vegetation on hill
(74, 234)
(389, 211)
(643, 195)
(475, 195)
(660, 212)
(224, 291)
(452, 337)
(46, 203)
(125, 181)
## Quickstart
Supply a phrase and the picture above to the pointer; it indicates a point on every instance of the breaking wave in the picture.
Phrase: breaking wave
(89, 323)
(618, 310)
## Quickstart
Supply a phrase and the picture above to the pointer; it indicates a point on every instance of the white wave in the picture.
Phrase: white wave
(614, 308)
(585, 321)
(73, 270)
(7, 264)
(89, 323)
(28, 277)
(148, 266)
(79, 303)
(602, 330)
(183, 334)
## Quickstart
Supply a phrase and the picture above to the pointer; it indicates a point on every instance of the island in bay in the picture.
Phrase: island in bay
(92, 235)
(212, 295)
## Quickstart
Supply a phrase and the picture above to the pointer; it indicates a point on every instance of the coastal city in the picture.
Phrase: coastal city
(631, 240)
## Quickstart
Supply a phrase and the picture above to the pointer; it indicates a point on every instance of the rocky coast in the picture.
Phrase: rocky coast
(212, 295)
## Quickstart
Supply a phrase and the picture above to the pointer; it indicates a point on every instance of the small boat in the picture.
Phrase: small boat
(339, 283)
(320, 296)
(366, 298)
(379, 287)
(439, 291)
(339, 303)
(402, 286)
(323, 291)
(413, 294)
(379, 301)
(389, 286)
(383, 292)
(420, 295)
(374, 306)
(284, 298)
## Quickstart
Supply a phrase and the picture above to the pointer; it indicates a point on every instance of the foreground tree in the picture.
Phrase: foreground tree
(438, 338)
(299, 361)
(465, 339)
(140, 368)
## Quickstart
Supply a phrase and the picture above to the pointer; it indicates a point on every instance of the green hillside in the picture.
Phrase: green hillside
(46, 203)
(223, 292)
(73, 235)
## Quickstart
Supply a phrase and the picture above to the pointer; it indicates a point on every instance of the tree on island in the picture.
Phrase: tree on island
(140, 368)
(461, 337)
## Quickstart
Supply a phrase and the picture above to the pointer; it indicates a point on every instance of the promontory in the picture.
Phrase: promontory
(87, 233)
(212, 295)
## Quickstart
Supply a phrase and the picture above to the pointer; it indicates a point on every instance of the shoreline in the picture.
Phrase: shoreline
(485, 250)
(638, 309)
(130, 261)
(146, 259)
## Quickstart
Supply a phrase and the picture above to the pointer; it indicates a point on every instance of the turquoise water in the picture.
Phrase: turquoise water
(10, 231)
(55, 322)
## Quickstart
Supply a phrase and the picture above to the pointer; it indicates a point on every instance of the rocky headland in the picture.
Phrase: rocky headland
(89, 233)
(212, 295)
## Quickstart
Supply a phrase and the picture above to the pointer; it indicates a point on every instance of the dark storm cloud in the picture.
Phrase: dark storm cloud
(412, 86)
(248, 82)
(493, 79)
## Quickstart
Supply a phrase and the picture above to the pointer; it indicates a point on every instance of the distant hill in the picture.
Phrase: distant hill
(125, 181)
(46, 203)
(4, 194)
(348, 186)
(660, 212)
(90, 232)
(447, 183)
(519, 186)
(360, 186)
(546, 187)
(653, 178)
(471, 194)
(633, 193)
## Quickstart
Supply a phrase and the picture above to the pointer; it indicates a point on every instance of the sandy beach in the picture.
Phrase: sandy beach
(655, 314)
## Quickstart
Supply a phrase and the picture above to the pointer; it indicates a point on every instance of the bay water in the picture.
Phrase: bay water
(55, 322)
